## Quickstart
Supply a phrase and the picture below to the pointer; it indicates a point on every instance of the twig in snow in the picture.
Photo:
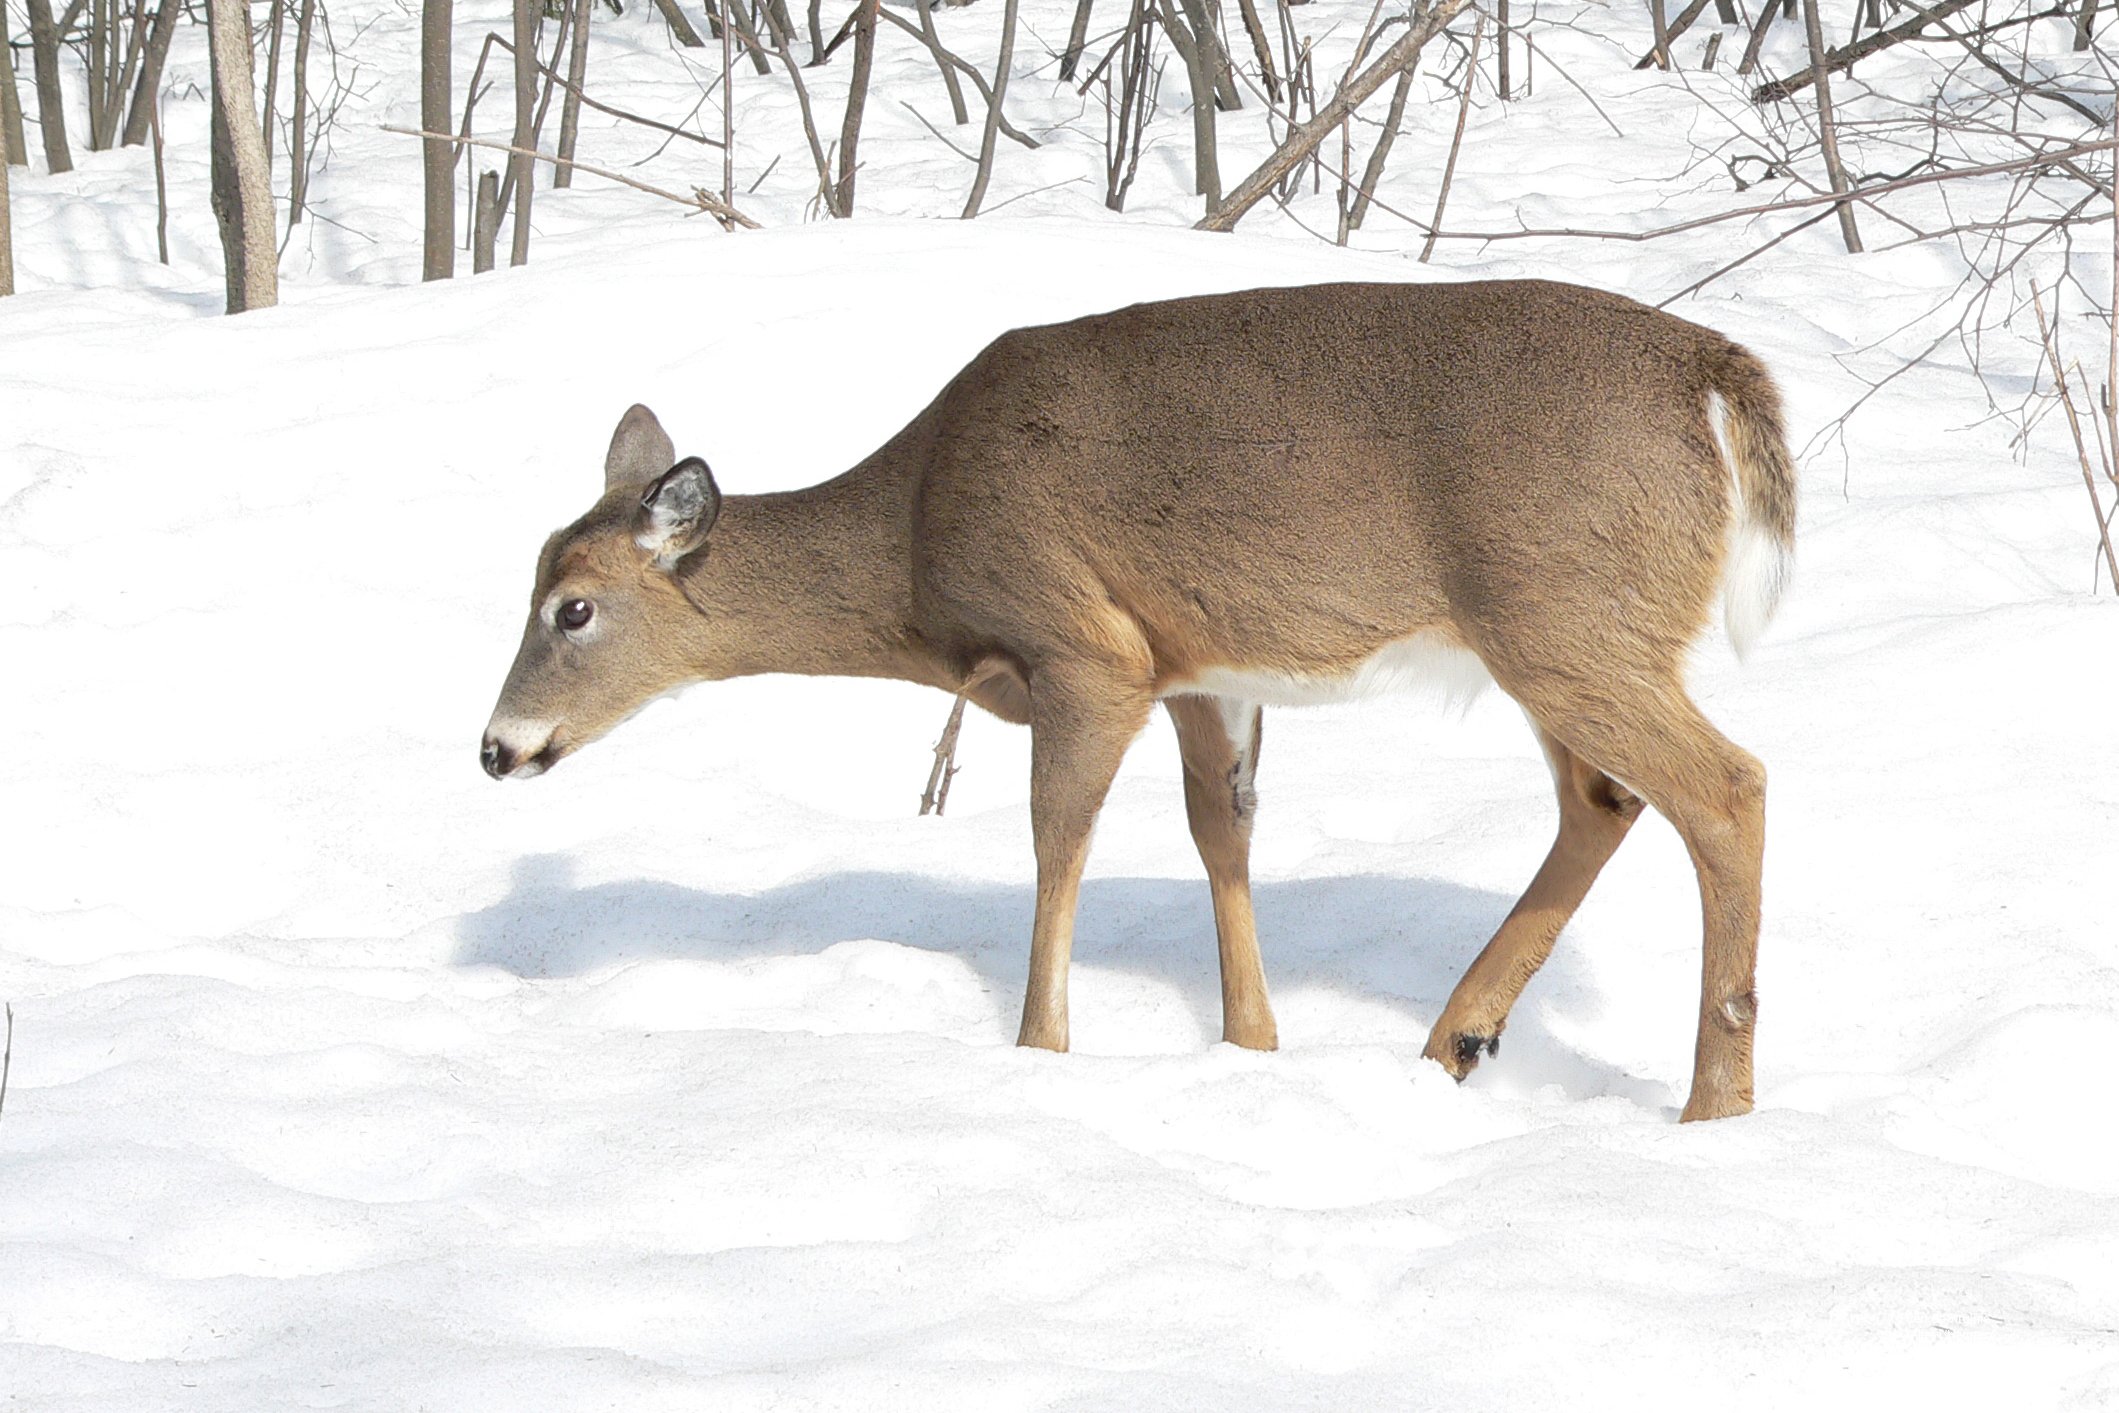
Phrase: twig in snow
(2050, 337)
(945, 767)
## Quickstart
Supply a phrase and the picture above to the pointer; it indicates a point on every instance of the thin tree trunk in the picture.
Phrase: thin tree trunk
(1206, 157)
(154, 128)
(1501, 44)
(864, 57)
(1662, 34)
(2085, 23)
(784, 21)
(278, 21)
(1826, 132)
(1674, 32)
(1456, 141)
(1077, 37)
(1255, 27)
(949, 61)
(51, 103)
(122, 71)
(734, 13)
(242, 189)
(298, 146)
(682, 27)
(1373, 173)
(7, 238)
(99, 23)
(544, 98)
(437, 160)
(485, 224)
(949, 78)
(827, 188)
(522, 171)
(1204, 34)
(570, 109)
(14, 149)
(1766, 17)
(147, 92)
(728, 114)
(816, 32)
(993, 112)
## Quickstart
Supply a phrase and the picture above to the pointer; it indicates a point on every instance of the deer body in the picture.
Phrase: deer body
(1266, 498)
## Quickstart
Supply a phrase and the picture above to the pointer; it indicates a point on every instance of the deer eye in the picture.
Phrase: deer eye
(575, 614)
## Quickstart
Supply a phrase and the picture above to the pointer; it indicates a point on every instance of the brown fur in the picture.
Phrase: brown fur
(1093, 514)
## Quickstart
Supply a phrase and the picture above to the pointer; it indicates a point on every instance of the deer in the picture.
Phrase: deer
(1275, 497)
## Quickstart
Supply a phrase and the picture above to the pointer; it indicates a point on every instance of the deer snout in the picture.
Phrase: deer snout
(516, 749)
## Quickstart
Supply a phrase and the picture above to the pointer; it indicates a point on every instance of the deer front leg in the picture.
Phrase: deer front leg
(1219, 739)
(1080, 726)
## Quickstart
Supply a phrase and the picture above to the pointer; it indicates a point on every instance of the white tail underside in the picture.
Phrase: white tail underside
(1755, 570)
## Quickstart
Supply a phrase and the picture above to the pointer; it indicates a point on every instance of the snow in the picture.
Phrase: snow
(682, 1078)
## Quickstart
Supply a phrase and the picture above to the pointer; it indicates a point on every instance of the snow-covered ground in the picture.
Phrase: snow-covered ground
(682, 1078)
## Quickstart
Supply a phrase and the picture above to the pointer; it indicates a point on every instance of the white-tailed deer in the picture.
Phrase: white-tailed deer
(1275, 497)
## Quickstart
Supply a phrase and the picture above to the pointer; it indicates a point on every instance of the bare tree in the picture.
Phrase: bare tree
(14, 150)
(827, 187)
(154, 127)
(98, 24)
(242, 186)
(993, 111)
(1199, 73)
(1077, 37)
(522, 171)
(437, 25)
(7, 238)
(1827, 133)
(1305, 137)
(277, 23)
(680, 27)
(942, 60)
(1127, 111)
(144, 94)
(570, 109)
(51, 103)
(485, 223)
(864, 57)
(298, 143)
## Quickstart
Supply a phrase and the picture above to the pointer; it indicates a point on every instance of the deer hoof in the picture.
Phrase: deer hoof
(1459, 1053)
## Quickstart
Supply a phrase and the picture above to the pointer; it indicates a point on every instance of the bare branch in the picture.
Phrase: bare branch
(1303, 140)
(699, 200)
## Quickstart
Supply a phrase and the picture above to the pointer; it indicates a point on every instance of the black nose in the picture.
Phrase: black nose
(496, 758)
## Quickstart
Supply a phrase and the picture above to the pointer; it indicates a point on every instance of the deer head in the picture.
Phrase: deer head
(610, 626)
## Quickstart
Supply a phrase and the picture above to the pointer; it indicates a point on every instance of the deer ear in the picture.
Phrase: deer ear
(640, 450)
(677, 510)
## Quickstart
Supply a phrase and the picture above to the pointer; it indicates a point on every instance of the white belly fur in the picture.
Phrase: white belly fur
(1422, 662)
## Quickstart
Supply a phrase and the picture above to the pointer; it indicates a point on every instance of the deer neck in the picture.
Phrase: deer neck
(816, 581)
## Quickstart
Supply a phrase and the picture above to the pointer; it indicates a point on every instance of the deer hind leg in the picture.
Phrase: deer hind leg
(1219, 738)
(1647, 732)
(1595, 813)
(1080, 726)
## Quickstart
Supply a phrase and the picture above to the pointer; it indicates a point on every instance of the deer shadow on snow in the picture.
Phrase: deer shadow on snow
(1399, 943)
